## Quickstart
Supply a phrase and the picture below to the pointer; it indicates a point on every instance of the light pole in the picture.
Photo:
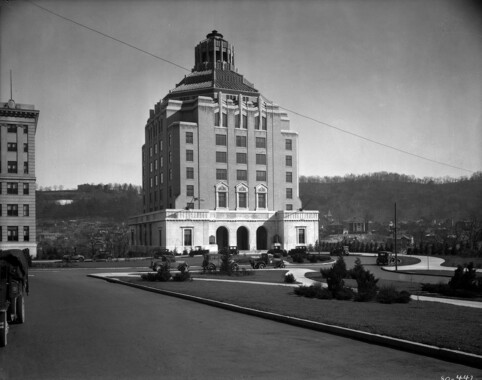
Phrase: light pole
(395, 239)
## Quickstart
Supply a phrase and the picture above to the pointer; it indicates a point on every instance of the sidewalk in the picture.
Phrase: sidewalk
(301, 279)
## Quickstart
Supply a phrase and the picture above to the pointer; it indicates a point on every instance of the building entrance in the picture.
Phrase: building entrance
(242, 238)
(261, 238)
(222, 237)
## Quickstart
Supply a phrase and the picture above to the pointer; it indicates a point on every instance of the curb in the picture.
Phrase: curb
(414, 272)
(400, 344)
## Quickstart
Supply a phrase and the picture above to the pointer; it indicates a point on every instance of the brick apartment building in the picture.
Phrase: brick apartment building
(219, 165)
(18, 125)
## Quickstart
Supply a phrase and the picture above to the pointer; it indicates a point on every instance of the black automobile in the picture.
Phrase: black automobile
(102, 257)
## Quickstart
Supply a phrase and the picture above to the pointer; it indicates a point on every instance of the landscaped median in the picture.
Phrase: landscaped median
(445, 331)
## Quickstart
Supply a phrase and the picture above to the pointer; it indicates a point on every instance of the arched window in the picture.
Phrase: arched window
(221, 195)
(261, 197)
(241, 196)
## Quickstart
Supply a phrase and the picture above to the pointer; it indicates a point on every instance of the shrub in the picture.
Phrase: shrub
(465, 278)
(334, 275)
(313, 291)
(447, 290)
(388, 294)
(149, 276)
(403, 297)
(289, 278)
(366, 282)
(344, 294)
(182, 276)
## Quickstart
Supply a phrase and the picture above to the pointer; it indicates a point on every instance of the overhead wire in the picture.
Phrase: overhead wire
(287, 109)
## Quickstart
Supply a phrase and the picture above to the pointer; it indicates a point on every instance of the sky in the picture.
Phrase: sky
(370, 85)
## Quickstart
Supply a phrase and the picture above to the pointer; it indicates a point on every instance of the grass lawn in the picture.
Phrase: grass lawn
(453, 261)
(431, 323)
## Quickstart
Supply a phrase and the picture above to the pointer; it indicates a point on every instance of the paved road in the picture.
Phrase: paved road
(82, 328)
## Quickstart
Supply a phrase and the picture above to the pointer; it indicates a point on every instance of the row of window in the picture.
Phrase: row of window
(12, 188)
(12, 167)
(12, 233)
(221, 174)
(221, 140)
(222, 121)
(12, 147)
(241, 141)
(12, 210)
(12, 128)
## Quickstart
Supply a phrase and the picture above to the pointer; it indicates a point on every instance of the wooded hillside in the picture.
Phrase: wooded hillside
(372, 197)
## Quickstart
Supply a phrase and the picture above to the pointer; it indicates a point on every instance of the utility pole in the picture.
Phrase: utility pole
(395, 238)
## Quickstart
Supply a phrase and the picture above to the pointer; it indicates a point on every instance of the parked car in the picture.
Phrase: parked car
(168, 261)
(102, 257)
(198, 250)
(277, 251)
(73, 257)
(266, 259)
(298, 254)
(341, 251)
(232, 250)
(212, 261)
(385, 258)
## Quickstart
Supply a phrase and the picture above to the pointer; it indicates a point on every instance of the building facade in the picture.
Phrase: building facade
(18, 126)
(220, 164)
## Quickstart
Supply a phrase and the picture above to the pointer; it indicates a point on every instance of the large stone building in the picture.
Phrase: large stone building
(220, 164)
(18, 125)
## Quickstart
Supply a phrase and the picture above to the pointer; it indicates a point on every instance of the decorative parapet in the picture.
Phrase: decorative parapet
(311, 215)
(206, 215)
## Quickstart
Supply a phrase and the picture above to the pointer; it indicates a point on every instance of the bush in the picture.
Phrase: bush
(344, 294)
(149, 276)
(182, 276)
(403, 297)
(335, 275)
(447, 290)
(313, 291)
(465, 278)
(289, 278)
(388, 294)
(366, 282)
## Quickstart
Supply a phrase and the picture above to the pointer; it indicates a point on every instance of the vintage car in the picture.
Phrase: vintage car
(169, 262)
(73, 257)
(277, 251)
(198, 250)
(102, 256)
(265, 260)
(213, 261)
(385, 258)
(13, 287)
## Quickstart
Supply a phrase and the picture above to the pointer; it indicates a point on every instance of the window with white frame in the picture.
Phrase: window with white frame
(241, 196)
(187, 237)
(221, 195)
(261, 196)
(300, 235)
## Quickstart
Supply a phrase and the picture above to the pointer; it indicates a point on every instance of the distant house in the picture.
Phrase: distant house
(357, 225)
(404, 241)
(335, 228)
